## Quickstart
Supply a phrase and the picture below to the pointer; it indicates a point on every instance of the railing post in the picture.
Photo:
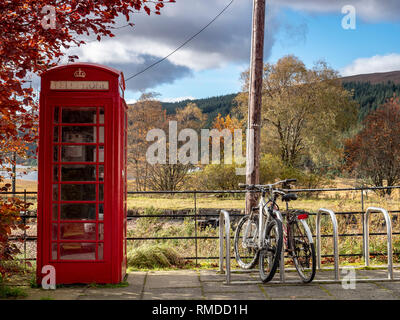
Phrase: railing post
(335, 239)
(389, 238)
(25, 214)
(195, 224)
(363, 221)
(224, 223)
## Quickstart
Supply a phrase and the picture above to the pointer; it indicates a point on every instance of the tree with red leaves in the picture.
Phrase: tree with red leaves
(34, 34)
(374, 153)
(29, 44)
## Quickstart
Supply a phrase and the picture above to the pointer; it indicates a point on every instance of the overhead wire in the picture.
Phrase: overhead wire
(183, 44)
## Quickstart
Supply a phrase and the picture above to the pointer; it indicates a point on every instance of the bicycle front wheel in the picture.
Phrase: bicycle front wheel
(246, 235)
(303, 251)
(271, 252)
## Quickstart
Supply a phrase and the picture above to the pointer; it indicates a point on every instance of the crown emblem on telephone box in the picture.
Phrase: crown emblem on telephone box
(79, 73)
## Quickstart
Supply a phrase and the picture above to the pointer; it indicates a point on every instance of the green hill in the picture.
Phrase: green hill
(370, 91)
(210, 106)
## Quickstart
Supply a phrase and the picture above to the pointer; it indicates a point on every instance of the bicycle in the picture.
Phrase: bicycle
(262, 239)
(268, 252)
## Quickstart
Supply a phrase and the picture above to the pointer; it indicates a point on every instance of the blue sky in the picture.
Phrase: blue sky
(211, 64)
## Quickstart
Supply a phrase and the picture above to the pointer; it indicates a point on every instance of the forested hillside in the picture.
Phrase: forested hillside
(210, 106)
(370, 96)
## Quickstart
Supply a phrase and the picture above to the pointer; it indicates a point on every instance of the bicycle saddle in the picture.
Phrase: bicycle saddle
(289, 196)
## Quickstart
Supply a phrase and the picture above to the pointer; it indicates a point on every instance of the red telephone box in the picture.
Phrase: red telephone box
(82, 174)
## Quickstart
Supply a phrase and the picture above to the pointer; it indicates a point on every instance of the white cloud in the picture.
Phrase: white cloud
(226, 41)
(378, 63)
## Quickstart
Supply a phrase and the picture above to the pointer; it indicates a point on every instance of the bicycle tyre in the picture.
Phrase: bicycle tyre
(303, 252)
(246, 257)
(270, 256)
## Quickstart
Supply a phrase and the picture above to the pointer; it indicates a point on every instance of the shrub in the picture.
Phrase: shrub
(218, 177)
(153, 256)
(10, 211)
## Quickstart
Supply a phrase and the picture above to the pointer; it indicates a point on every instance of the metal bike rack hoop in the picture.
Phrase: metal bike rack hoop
(335, 239)
(224, 221)
(389, 238)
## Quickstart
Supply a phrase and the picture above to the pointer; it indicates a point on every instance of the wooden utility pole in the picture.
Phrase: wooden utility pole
(255, 91)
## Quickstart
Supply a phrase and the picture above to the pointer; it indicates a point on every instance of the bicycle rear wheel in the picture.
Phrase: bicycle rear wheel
(303, 251)
(245, 244)
(270, 254)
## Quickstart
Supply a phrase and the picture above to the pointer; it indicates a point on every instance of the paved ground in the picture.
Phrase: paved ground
(209, 285)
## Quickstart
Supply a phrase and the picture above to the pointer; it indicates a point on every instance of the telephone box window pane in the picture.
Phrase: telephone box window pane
(101, 231)
(78, 192)
(78, 153)
(55, 211)
(79, 115)
(55, 192)
(55, 173)
(101, 192)
(100, 251)
(55, 153)
(82, 134)
(101, 134)
(78, 172)
(54, 231)
(56, 110)
(101, 154)
(78, 211)
(54, 251)
(101, 115)
(55, 134)
(77, 251)
(101, 173)
(101, 211)
(78, 231)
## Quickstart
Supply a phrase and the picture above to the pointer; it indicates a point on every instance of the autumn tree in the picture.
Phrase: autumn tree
(304, 111)
(374, 153)
(223, 175)
(172, 174)
(144, 115)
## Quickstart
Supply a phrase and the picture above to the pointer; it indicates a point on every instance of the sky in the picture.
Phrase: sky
(211, 63)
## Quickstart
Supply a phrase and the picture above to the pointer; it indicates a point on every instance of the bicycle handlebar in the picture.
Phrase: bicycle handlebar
(265, 186)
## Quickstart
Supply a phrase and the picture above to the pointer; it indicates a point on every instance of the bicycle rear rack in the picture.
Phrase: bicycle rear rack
(224, 225)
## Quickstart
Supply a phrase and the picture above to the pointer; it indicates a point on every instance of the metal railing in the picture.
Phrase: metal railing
(196, 215)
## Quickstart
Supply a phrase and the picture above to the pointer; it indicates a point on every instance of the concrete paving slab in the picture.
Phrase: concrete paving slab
(110, 296)
(172, 279)
(394, 287)
(216, 287)
(311, 291)
(211, 275)
(173, 294)
(235, 296)
(58, 294)
(208, 284)
(362, 291)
